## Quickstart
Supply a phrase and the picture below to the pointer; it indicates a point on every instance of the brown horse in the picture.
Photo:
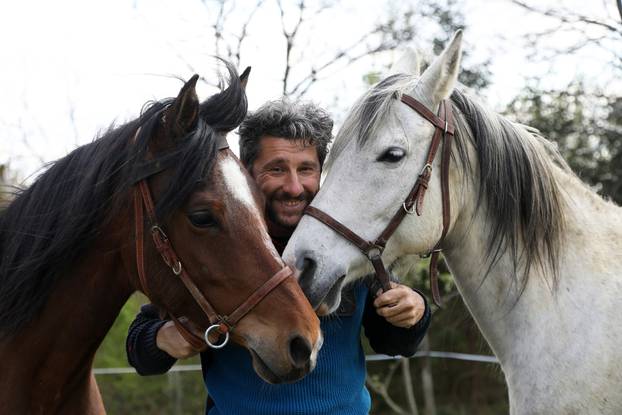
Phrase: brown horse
(73, 244)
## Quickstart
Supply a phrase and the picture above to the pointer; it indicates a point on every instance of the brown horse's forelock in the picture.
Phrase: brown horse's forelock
(50, 224)
(517, 189)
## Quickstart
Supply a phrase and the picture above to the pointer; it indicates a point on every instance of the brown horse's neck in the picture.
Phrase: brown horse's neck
(46, 366)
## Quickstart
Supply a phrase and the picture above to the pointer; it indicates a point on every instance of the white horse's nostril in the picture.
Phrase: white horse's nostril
(307, 267)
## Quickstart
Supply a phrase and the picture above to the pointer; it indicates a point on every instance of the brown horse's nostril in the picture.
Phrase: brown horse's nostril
(299, 352)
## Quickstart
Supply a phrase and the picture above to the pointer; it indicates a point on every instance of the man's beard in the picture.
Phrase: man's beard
(287, 222)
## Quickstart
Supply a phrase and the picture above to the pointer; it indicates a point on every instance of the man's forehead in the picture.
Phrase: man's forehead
(280, 146)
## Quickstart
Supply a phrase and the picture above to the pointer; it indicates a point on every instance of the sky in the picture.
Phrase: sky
(71, 68)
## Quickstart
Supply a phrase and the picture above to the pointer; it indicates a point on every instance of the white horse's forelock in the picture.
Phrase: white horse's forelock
(369, 112)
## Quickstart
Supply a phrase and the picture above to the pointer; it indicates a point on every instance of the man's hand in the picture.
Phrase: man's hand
(400, 306)
(172, 342)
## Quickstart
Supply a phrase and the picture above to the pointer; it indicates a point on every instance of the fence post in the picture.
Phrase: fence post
(408, 385)
(427, 383)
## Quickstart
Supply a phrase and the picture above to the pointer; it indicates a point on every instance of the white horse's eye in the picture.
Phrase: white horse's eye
(392, 155)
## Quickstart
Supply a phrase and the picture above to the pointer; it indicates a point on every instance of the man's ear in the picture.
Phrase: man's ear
(181, 116)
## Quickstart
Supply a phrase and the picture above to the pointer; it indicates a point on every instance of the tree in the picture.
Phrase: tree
(587, 126)
(571, 31)
(399, 25)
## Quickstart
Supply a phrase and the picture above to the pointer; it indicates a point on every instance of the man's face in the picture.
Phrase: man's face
(288, 174)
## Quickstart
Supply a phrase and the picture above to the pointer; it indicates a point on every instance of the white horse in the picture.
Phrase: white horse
(535, 253)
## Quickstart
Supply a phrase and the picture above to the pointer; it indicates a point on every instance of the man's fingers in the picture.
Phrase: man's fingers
(394, 310)
(392, 296)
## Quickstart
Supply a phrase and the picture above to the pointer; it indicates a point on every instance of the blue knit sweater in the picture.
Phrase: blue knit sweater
(336, 386)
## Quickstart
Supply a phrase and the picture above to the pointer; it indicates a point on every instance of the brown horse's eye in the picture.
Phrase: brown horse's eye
(392, 155)
(202, 219)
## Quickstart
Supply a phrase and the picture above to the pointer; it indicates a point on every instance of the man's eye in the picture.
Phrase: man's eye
(202, 219)
(392, 155)
(276, 170)
(307, 170)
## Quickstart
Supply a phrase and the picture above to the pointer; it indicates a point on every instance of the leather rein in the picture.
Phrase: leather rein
(220, 324)
(443, 133)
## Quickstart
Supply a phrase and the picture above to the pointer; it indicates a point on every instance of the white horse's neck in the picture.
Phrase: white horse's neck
(551, 339)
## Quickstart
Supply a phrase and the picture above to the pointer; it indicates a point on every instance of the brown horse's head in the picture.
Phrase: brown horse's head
(212, 214)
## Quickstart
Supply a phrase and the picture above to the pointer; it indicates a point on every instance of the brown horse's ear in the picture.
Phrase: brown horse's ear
(182, 115)
(244, 77)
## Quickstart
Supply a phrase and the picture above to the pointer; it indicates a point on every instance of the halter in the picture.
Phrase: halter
(444, 131)
(220, 323)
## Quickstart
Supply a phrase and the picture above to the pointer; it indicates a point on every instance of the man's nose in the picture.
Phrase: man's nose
(292, 185)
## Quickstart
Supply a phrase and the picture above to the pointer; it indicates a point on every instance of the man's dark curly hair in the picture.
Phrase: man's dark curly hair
(286, 119)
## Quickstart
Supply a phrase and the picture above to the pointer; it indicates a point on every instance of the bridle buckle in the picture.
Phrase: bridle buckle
(375, 252)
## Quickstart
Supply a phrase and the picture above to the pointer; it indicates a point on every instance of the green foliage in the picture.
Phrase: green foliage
(586, 125)
(172, 393)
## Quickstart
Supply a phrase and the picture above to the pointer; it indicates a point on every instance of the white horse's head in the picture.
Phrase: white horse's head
(375, 160)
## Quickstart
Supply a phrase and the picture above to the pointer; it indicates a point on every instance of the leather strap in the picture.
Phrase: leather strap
(437, 121)
(335, 225)
(258, 295)
(148, 168)
(372, 250)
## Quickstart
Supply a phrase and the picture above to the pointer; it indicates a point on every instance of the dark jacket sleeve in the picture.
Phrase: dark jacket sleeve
(388, 339)
(142, 352)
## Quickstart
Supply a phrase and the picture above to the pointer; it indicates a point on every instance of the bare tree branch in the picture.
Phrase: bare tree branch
(342, 56)
(569, 18)
(604, 34)
(218, 25)
(289, 38)
(244, 32)
(381, 387)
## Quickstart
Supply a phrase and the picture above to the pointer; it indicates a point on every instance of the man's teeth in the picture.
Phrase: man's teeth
(291, 202)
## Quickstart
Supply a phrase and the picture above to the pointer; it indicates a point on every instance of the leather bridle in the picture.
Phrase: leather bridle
(220, 324)
(444, 131)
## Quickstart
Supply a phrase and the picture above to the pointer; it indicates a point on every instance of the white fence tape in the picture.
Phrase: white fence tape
(369, 358)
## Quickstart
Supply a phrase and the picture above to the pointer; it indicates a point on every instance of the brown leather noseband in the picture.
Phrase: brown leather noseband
(222, 324)
(444, 131)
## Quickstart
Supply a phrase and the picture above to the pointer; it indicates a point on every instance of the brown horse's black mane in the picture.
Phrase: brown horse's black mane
(50, 224)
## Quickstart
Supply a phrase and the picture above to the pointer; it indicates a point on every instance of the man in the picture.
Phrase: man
(283, 145)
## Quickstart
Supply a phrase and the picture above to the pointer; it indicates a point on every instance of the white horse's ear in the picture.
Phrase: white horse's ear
(407, 64)
(439, 79)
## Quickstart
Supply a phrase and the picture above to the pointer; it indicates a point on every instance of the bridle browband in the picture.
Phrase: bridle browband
(444, 131)
(222, 324)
